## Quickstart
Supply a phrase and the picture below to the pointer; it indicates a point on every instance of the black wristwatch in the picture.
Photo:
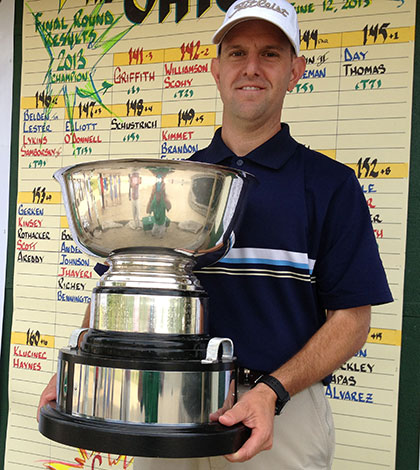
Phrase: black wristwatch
(282, 394)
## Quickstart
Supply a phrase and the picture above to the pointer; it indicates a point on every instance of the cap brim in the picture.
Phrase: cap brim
(224, 29)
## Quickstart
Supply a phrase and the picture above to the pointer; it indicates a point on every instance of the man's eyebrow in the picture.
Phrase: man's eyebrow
(279, 47)
(233, 46)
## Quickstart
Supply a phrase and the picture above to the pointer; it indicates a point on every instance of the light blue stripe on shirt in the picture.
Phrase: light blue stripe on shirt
(268, 256)
(265, 261)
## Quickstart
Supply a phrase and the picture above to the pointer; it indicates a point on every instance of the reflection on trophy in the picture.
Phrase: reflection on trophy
(146, 379)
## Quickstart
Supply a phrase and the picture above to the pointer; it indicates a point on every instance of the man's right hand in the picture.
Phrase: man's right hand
(49, 394)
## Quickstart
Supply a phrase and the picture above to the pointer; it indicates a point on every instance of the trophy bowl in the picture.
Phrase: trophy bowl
(146, 378)
(135, 204)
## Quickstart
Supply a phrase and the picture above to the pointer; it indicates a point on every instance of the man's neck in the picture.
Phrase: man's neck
(244, 139)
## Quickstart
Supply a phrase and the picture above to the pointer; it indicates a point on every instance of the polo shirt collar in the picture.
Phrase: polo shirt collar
(273, 154)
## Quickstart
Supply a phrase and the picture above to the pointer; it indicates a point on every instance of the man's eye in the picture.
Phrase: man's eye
(237, 53)
(270, 54)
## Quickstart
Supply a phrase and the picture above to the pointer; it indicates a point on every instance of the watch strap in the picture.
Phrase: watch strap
(282, 394)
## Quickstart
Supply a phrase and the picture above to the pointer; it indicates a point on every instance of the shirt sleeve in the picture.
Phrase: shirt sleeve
(348, 270)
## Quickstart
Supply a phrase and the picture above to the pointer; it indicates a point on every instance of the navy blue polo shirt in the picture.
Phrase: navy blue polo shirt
(305, 245)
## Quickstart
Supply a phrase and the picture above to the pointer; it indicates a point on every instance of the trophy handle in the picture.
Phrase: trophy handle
(213, 350)
(75, 337)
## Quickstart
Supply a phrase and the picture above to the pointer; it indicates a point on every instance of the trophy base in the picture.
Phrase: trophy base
(142, 440)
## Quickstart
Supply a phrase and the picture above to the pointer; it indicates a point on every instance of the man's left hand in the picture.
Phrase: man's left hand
(255, 409)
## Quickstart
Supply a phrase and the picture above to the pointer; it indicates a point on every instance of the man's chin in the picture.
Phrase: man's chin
(249, 109)
(251, 116)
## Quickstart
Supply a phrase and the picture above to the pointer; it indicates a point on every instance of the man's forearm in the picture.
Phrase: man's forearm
(342, 335)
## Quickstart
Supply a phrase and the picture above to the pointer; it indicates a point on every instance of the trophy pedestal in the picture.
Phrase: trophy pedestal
(149, 395)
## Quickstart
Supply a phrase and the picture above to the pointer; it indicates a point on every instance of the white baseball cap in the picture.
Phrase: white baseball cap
(278, 12)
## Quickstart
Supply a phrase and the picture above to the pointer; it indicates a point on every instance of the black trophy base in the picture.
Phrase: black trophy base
(141, 440)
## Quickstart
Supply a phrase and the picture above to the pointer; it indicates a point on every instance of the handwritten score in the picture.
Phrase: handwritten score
(112, 80)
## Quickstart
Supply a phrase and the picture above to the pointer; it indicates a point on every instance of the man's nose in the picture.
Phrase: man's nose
(252, 65)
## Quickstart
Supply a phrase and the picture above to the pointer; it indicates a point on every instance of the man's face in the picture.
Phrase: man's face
(255, 68)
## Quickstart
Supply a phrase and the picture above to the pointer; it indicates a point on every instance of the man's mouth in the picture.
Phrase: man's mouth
(250, 88)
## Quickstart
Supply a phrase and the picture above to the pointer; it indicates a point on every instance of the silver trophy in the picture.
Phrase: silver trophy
(146, 379)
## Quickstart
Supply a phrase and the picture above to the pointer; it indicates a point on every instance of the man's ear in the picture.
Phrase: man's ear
(214, 68)
(298, 69)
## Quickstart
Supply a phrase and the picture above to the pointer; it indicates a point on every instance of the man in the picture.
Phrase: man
(158, 205)
(294, 293)
(135, 181)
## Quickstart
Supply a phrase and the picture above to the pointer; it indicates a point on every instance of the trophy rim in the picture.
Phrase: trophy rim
(152, 161)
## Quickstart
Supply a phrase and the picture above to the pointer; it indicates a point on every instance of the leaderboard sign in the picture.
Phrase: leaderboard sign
(117, 79)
